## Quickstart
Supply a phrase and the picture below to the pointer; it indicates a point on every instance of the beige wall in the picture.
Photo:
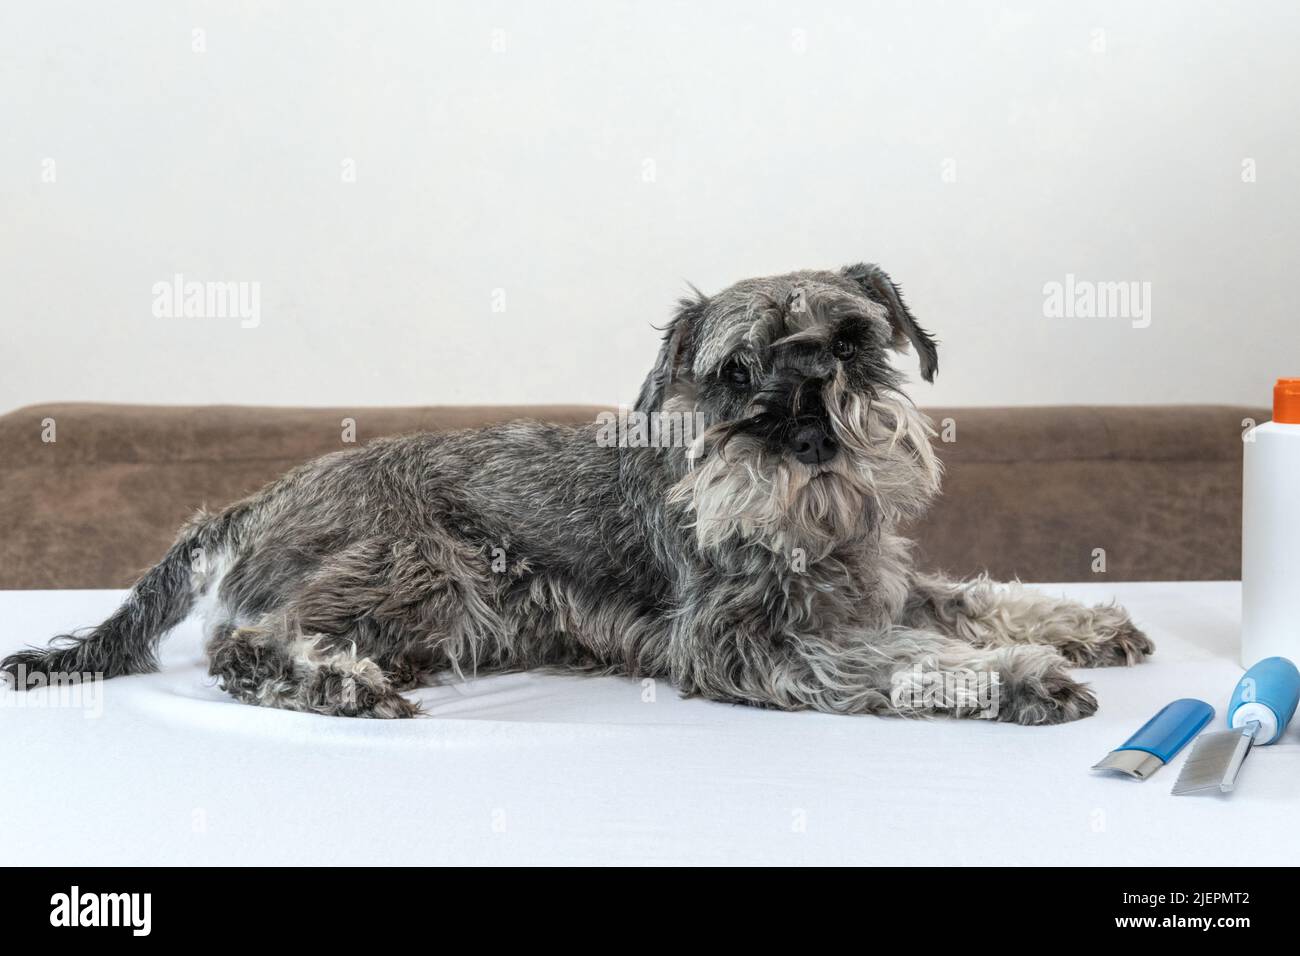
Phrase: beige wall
(589, 160)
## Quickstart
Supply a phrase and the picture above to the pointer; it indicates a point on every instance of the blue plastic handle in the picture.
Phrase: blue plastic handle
(1169, 730)
(1273, 682)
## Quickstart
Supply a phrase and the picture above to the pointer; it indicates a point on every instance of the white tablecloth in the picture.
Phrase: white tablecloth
(529, 768)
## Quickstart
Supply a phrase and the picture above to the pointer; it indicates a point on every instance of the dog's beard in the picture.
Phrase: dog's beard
(884, 473)
(887, 440)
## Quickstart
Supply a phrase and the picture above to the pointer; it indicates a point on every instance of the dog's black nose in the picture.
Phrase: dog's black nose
(813, 445)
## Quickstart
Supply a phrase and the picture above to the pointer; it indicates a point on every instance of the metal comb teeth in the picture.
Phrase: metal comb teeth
(1216, 760)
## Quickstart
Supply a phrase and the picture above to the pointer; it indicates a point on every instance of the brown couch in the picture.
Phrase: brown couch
(1029, 492)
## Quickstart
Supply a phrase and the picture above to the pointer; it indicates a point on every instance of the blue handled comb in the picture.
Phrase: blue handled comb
(1262, 704)
(1156, 741)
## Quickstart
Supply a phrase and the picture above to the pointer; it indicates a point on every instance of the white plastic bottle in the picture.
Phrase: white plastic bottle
(1270, 532)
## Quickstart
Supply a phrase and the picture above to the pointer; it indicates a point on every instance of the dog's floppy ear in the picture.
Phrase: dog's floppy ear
(879, 288)
(674, 356)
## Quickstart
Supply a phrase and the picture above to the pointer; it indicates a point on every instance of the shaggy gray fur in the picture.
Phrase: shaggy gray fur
(761, 564)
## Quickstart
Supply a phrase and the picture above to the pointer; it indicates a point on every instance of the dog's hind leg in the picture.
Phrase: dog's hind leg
(274, 664)
(414, 608)
(368, 620)
(986, 613)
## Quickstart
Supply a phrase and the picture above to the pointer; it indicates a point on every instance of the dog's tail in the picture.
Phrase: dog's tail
(127, 642)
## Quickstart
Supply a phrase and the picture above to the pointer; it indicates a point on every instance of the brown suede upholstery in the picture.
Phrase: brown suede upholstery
(1034, 492)
(1029, 492)
(104, 500)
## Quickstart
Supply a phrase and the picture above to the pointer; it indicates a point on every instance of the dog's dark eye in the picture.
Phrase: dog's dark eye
(736, 374)
(843, 349)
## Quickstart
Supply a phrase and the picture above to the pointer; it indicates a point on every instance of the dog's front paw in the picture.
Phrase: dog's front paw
(1048, 697)
(1111, 640)
(1129, 646)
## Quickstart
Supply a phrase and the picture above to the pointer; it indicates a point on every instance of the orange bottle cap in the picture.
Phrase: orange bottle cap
(1286, 401)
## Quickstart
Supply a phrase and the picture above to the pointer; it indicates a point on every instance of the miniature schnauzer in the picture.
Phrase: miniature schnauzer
(759, 562)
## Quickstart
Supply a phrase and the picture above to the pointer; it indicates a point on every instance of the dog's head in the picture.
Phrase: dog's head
(807, 437)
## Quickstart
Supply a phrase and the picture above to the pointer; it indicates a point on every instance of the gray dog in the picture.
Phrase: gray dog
(756, 562)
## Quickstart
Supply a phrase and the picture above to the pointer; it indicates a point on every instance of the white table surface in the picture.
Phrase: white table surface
(532, 768)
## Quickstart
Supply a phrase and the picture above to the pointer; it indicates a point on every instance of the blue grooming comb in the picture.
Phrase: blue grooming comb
(1263, 703)
(1156, 741)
